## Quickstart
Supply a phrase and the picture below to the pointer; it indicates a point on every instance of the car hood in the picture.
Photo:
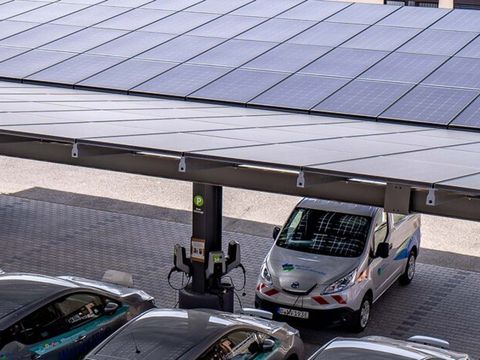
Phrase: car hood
(300, 272)
(118, 290)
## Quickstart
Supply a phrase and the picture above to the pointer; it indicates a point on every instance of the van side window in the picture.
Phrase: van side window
(381, 230)
(398, 218)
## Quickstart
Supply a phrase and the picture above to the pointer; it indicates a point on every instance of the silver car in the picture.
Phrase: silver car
(46, 317)
(332, 260)
(200, 335)
(382, 348)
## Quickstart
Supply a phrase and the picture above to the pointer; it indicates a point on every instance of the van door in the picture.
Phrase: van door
(379, 266)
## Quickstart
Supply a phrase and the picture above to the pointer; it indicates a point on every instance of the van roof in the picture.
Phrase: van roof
(341, 207)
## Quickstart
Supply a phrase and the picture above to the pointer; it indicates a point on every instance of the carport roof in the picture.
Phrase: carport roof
(201, 137)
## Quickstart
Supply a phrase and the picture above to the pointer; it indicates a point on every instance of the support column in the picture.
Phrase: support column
(206, 231)
(206, 237)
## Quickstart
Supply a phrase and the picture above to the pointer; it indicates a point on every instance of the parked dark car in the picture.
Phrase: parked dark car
(43, 317)
(201, 335)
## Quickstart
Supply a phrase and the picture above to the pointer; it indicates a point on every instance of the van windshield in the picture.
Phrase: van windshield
(325, 233)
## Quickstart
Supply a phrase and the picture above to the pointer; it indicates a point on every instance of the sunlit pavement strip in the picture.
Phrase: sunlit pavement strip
(55, 239)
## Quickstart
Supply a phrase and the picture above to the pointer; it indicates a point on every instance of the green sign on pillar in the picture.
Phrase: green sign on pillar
(198, 203)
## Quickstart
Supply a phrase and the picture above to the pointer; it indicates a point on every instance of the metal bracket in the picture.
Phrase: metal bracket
(436, 197)
(75, 150)
(397, 198)
(431, 197)
(301, 179)
(182, 165)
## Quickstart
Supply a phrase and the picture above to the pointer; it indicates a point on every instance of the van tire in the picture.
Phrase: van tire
(409, 273)
(361, 317)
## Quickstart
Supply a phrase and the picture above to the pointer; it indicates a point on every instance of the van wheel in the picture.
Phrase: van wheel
(361, 317)
(409, 273)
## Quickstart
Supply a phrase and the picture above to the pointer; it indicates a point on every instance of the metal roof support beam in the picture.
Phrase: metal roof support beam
(187, 164)
(252, 178)
(84, 151)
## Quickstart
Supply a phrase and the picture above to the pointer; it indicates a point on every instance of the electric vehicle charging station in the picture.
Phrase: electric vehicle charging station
(207, 263)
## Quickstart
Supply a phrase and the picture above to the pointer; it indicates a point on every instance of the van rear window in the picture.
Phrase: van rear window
(325, 233)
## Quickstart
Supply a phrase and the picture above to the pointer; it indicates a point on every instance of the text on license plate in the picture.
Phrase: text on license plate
(293, 313)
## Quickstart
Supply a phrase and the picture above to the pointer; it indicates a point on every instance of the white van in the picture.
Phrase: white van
(333, 260)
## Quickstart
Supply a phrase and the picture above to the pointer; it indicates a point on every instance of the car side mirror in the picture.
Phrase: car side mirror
(110, 308)
(383, 250)
(276, 231)
(268, 345)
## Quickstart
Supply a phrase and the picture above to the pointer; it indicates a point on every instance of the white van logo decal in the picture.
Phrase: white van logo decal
(295, 285)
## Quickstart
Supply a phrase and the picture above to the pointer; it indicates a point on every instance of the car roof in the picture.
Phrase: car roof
(377, 348)
(341, 207)
(170, 334)
(18, 290)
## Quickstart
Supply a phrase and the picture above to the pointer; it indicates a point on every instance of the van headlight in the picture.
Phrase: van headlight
(265, 274)
(342, 284)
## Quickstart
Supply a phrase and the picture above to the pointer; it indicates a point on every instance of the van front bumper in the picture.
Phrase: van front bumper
(337, 315)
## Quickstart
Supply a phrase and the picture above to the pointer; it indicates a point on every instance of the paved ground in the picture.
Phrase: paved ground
(55, 238)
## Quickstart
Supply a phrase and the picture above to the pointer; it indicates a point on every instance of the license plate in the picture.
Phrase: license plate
(293, 313)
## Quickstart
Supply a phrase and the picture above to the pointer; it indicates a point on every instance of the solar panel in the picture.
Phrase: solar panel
(299, 92)
(470, 116)
(126, 3)
(218, 6)
(344, 62)
(8, 52)
(227, 26)
(84, 40)
(277, 30)
(239, 86)
(327, 34)
(416, 17)
(9, 28)
(189, 142)
(386, 38)
(84, 65)
(32, 62)
(50, 12)
(314, 10)
(363, 14)
(132, 44)
(460, 72)
(287, 57)
(183, 80)
(471, 50)
(233, 53)
(266, 8)
(134, 19)
(90, 16)
(128, 74)
(404, 67)
(460, 20)
(365, 98)
(175, 5)
(430, 104)
(13, 8)
(438, 42)
(180, 22)
(39, 36)
(181, 48)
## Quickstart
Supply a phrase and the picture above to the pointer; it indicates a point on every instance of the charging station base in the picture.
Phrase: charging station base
(221, 300)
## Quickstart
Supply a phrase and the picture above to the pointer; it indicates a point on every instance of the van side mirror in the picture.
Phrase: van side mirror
(276, 231)
(383, 250)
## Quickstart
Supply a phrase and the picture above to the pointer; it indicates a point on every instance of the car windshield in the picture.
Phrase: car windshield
(354, 354)
(325, 233)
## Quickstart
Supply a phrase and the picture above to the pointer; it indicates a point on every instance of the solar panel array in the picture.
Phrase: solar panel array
(378, 61)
